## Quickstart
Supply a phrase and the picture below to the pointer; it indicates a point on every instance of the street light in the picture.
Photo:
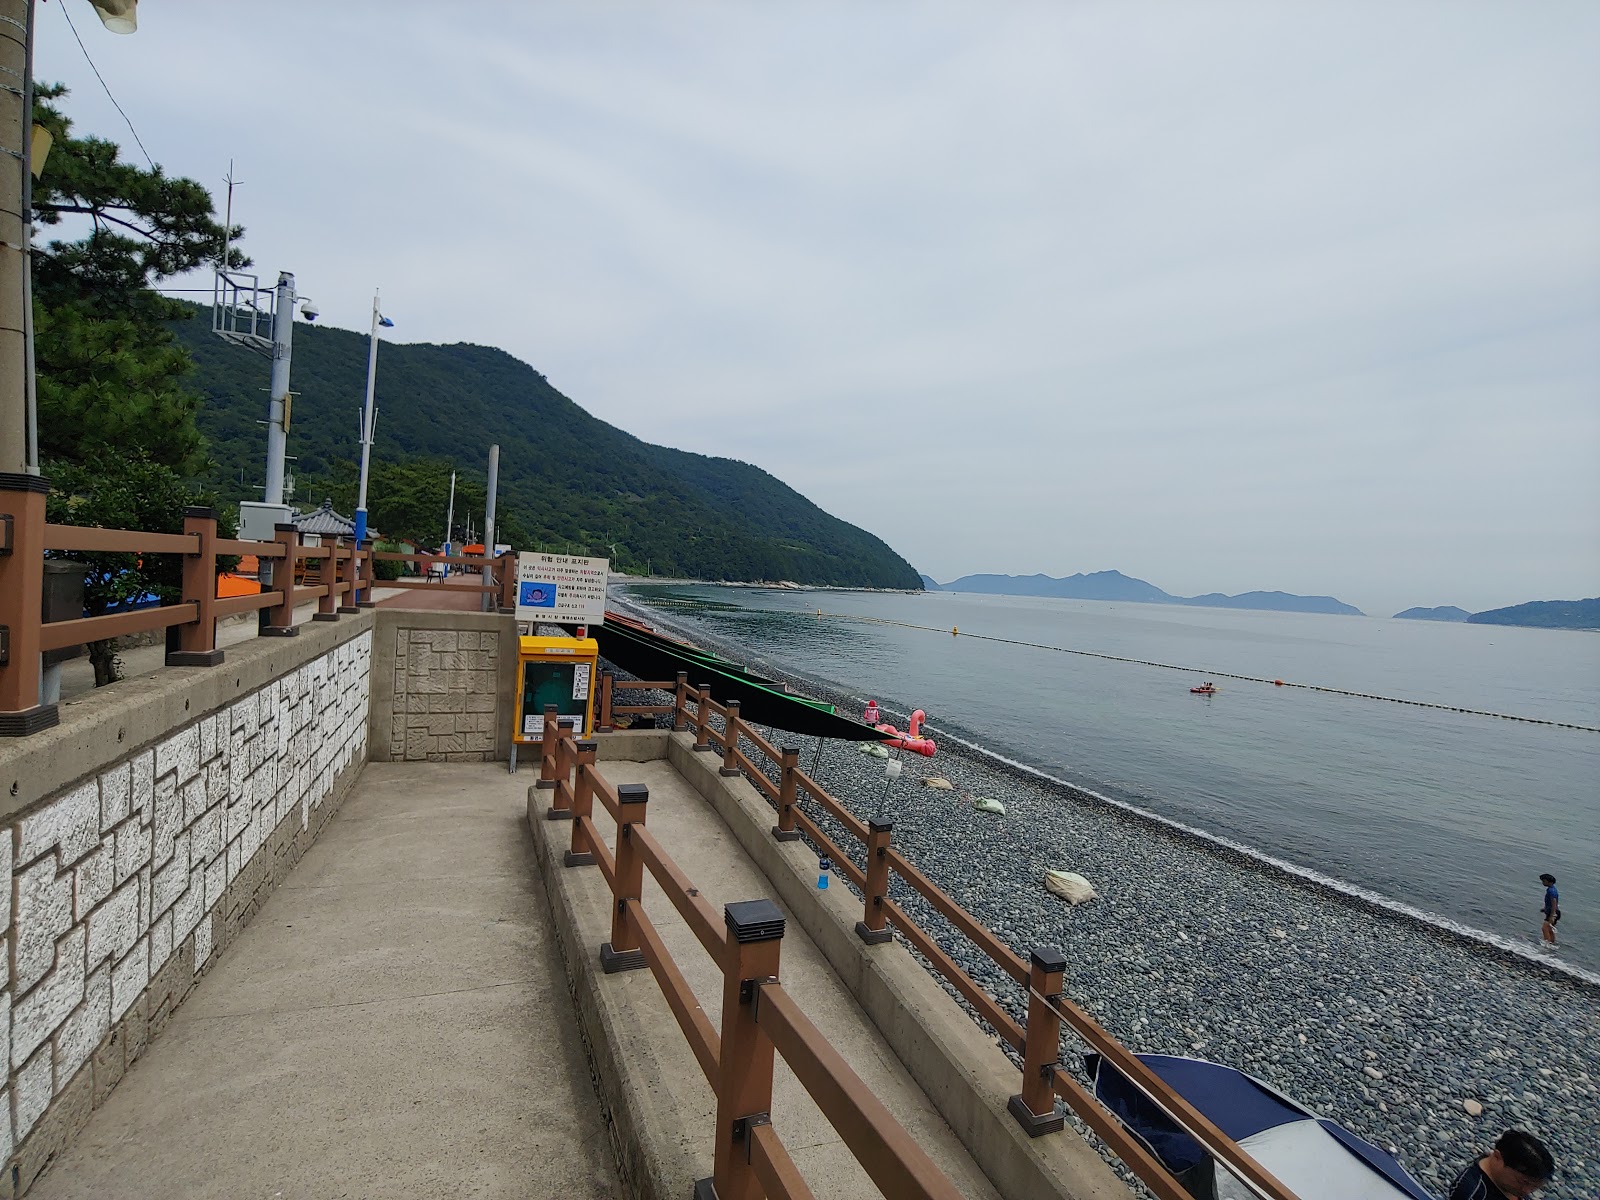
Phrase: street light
(119, 16)
(369, 417)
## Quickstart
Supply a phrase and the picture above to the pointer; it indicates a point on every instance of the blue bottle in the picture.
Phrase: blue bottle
(823, 867)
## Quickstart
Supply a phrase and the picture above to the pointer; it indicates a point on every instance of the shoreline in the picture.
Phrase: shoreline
(1377, 1014)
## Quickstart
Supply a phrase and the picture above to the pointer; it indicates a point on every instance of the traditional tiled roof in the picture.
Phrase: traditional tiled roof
(325, 521)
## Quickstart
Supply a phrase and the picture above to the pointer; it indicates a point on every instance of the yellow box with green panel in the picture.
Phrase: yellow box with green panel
(559, 671)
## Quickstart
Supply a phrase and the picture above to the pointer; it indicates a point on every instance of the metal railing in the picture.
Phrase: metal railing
(1041, 975)
(343, 584)
(760, 1019)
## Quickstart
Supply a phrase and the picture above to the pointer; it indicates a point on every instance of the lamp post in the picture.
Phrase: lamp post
(369, 417)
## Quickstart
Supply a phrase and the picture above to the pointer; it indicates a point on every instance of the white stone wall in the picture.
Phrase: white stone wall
(111, 878)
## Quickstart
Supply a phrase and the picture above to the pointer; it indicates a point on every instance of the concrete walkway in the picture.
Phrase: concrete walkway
(395, 1022)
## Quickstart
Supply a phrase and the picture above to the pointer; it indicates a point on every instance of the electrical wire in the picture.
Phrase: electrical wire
(105, 85)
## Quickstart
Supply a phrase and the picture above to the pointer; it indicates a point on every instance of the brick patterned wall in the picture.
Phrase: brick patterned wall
(126, 885)
(446, 685)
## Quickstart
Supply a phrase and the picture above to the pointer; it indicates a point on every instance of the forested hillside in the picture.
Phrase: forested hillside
(566, 479)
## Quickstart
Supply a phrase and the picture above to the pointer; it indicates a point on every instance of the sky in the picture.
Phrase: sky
(1223, 295)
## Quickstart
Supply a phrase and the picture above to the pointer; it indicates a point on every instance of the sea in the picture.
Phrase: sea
(1449, 815)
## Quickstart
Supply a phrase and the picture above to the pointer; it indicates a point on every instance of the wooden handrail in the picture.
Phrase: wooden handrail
(841, 814)
(779, 1177)
(603, 858)
(230, 606)
(756, 775)
(692, 1019)
(696, 911)
(975, 994)
(56, 635)
(1007, 959)
(841, 862)
(91, 539)
(894, 1162)
(259, 549)
(644, 685)
(455, 560)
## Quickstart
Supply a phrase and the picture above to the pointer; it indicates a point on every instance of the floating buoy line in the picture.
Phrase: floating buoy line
(1144, 662)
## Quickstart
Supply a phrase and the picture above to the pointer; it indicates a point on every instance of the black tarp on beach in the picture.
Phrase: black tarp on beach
(648, 655)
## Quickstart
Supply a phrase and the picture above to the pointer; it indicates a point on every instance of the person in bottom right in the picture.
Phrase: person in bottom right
(1517, 1166)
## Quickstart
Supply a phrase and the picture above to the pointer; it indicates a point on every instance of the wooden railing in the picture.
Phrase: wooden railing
(344, 582)
(760, 1019)
(1041, 976)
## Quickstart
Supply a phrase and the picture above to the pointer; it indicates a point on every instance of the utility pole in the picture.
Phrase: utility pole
(450, 518)
(278, 402)
(490, 603)
(16, 125)
(369, 418)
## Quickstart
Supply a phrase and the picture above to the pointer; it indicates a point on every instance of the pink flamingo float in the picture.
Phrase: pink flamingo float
(911, 739)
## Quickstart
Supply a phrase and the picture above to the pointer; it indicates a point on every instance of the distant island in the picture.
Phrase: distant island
(1538, 614)
(1445, 612)
(1545, 614)
(1114, 585)
(929, 584)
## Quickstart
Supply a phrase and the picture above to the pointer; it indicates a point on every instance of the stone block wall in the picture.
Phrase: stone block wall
(125, 884)
(442, 685)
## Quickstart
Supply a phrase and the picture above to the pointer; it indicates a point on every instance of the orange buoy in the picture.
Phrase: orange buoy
(1277, 683)
(954, 631)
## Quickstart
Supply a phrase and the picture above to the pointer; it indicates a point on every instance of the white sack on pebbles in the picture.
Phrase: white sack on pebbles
(1070, 886)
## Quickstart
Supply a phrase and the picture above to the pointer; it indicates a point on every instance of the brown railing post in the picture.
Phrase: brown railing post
(622, 952)
(280, 617)
(22, 521)
(550, 762)
(680, 703)
(508, 582)
(582, 852)
(744, 1063)
(874, 930)
(365, 576)
(328, 576)
(350, 578)
(730, 740)
(197, 642)
(702, 720)
(788, 786)
(1035, 1108)
(607, 683)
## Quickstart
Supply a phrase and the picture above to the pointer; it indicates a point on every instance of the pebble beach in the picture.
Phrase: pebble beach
(1417, 1038)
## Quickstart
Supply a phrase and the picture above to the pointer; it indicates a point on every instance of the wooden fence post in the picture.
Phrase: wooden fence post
(22, 521)
(582, 852)
(350, 577)
(702, 720)
(622, 952)
(874, 930)
(730, 740)
(607, 683)
(1035, 1108)
(508, 582)
(328, 576)
(197, 643)
(366, 575)
(788, 786)
(744, 1065)
(280, 617)
(680, 703)
(551, 758)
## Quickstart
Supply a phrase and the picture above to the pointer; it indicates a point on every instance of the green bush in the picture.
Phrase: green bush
(387, 568)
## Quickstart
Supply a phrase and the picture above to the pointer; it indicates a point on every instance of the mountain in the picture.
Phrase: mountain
(1101, 585)
(567, 479)
(1546, 614)
(928, 583)
(1445, 612)
(1114, 585)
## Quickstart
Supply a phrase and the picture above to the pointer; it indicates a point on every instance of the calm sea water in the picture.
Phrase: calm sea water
(1456, 815)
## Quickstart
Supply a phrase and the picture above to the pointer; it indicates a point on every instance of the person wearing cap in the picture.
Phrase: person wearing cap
(1552, 908)
(1516, 1167)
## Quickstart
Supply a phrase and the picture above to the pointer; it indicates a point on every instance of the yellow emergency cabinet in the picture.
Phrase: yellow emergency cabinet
(559, 671)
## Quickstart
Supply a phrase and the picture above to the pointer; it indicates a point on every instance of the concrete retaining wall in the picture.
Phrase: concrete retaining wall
(442, 686)
(141, 836)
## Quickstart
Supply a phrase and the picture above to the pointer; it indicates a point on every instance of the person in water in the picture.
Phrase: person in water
(1518, 1166)
(1552, 908)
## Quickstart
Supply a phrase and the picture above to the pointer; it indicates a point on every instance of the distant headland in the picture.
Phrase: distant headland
(1538, 614)
(1114, 585)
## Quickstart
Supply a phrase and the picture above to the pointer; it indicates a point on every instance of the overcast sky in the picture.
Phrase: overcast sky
(1225, 296)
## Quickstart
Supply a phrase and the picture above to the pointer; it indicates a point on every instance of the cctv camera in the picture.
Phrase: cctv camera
(310, 311)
